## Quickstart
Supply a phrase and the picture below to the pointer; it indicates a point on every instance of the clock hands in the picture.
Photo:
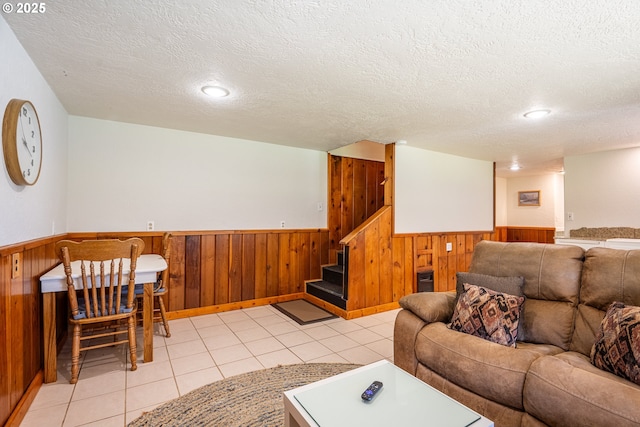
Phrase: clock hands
(24, 139)
(24, 142)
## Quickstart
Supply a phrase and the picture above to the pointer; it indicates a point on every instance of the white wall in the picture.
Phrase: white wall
(436, 192)
(30, 212)
(603, 189)
(367, 150)
(501, 202)
(559, 203)
(188, 181)
(548, 214)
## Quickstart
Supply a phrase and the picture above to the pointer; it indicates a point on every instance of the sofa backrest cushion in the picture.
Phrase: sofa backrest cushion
(505, 285)
(608, 275)
(551, 285)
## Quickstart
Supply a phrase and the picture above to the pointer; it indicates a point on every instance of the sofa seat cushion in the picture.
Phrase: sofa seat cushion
(490, 370)
(567, 390)
(499, 414)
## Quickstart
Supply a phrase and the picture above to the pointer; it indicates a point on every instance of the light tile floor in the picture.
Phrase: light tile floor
(201, 350)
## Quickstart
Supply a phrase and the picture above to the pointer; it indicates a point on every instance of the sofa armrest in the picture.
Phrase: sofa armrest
(418, 310)
(405, 332)
(430, 306)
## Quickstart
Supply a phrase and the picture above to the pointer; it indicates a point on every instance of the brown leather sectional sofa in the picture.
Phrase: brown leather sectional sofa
(548, 378)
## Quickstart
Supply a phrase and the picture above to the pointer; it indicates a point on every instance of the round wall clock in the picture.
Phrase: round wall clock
(22, 142)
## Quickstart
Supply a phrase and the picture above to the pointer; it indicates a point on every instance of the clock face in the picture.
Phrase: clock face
(29, 143)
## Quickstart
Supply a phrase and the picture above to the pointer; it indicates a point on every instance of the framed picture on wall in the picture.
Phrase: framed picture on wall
(529, 198)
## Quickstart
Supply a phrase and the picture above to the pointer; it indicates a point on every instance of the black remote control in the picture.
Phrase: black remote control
(371, 391)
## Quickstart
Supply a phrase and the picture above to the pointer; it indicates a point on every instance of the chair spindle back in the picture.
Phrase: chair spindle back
(103, 265)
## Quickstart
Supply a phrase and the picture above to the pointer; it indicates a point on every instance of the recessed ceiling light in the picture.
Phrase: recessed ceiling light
(216, 91)
(536, 114)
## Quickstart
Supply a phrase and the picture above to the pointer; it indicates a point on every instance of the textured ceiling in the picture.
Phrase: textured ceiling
(445, 75)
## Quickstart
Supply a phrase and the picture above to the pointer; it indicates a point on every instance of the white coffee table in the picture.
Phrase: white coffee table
(403, 401)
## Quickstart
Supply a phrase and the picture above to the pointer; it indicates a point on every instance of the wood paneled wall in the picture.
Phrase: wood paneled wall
(355, 194)
(370, 274)
(429, 251)
(531, 234)
(383, 268)
(448, 263)
(21, 320)
(218, 269)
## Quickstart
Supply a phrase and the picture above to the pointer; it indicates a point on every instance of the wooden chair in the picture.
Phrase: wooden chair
(160, 288)
(99, 311)
(162, 285)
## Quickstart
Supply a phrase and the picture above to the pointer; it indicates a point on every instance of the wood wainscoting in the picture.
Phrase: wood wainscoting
(382, 267)
(213, 271)
(525, 234)
(21, 324)
(218, 271)
(463, 245)
(531, 234)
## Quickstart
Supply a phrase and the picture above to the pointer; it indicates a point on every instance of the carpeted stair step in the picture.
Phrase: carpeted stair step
(327, 291)
(328, 287)
(333, 274)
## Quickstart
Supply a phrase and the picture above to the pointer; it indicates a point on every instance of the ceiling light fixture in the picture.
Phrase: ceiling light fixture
(536, 114)
(515, 167)
(215, 91)
(401, 142)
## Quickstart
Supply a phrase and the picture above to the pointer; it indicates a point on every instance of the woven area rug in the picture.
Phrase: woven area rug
(251, 399)
(303, 311)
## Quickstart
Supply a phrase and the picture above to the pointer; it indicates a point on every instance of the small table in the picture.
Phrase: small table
(147, 268)
(403, 400)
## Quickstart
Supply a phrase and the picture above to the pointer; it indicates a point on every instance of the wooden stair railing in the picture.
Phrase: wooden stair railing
(369, 270)
(359, 229)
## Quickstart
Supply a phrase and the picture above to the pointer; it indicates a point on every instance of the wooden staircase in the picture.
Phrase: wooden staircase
(332, 287)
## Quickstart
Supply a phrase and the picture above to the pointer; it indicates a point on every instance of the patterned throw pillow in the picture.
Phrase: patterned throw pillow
(487, 314)
(617, 346)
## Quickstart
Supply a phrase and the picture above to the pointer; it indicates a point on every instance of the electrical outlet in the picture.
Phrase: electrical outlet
(150, 226)
(281, 224)
(449, 246)
(16, 265)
